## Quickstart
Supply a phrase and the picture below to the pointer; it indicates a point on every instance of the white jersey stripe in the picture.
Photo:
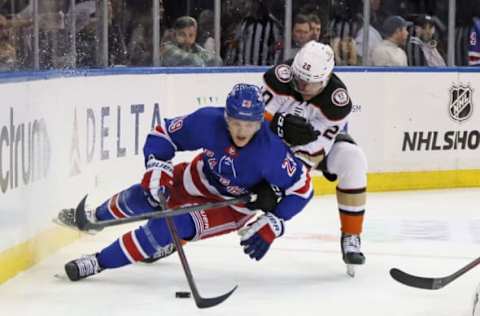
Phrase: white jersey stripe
(242, 210)
(302, 182)
(198, 221)
(188, 182)
(203, 233)
(350, 208)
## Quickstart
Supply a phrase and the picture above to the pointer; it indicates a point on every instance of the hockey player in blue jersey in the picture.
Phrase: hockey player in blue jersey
(240, 155)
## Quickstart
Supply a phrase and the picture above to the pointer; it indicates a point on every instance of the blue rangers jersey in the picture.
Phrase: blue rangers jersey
(227, 170)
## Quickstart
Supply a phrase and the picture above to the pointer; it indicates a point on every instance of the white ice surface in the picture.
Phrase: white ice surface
(428, 233)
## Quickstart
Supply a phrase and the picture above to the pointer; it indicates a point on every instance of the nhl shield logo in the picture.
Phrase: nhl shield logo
(460, 107)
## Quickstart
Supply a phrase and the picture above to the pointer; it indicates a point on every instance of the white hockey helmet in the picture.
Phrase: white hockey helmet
(314, 63)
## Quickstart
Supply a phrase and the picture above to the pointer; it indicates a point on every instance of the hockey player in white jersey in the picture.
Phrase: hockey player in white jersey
(309, 107)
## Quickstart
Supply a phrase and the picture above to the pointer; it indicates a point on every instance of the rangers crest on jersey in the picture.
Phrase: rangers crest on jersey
(231, 151)
(209, 153)
(283, 73)
(461, 106)
(340, 97)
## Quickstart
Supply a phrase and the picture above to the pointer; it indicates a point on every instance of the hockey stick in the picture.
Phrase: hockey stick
(84, 224)
(430, 283)
(201, 302)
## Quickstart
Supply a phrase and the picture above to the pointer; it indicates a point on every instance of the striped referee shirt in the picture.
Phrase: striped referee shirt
(415, 54)
(257, 42)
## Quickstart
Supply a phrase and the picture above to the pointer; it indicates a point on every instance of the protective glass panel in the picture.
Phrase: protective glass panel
(252, 32)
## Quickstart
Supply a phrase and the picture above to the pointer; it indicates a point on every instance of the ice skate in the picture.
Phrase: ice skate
(77, 218)
(351, 253)
(83, 267)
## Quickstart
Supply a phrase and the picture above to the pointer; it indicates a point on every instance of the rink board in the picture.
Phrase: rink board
(65, 134)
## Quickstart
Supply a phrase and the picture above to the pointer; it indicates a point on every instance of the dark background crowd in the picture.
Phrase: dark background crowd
(67, 33)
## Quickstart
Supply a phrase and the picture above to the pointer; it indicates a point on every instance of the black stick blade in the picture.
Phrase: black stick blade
(416, 281)
(80, 216)
(210, 302)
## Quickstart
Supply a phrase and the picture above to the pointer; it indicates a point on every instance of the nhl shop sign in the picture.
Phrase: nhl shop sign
(460, 109)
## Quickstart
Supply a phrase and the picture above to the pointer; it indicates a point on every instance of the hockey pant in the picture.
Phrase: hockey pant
(143, 242)
(347, 163)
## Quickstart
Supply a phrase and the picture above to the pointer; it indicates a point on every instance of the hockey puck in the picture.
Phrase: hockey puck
(182, 294)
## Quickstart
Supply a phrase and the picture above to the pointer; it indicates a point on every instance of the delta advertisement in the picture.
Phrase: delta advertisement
(62, 138)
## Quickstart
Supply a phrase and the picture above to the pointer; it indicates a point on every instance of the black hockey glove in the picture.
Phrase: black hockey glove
(267, 198)
(294, 129)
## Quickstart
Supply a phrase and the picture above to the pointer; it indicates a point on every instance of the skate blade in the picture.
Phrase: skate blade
(60, 223)
(351, 270)
(61, 276)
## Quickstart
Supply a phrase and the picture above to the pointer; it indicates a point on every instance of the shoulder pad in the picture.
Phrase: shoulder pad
(334, 101)
(278, 78)
(283, 73)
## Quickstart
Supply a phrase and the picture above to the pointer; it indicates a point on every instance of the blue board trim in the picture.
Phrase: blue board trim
(8, 77)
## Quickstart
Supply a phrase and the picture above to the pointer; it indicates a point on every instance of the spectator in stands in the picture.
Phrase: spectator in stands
(183, 51)
(139, 32)
(474, 43)
(7, 50)
(422, 47)
(378, 14)
(343, 28)
(206, 30)
(390, 52)
(50, 24)
(301, 33)
(345, 50)
(85, 27)
(315, 26)
(467, 25)
(318, 12)
(258, 38)
(375, 29)
(86, 20)
(374, 38)
(233, 12)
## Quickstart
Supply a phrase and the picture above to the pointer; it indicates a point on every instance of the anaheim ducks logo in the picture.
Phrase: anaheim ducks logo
(460, 106)
(283, 73)
(340, 97)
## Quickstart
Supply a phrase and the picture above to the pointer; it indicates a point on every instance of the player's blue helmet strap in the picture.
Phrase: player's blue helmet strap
(245, 102)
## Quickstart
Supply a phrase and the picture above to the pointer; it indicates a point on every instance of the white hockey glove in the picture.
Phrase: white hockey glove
(158, 179)
(258, 236)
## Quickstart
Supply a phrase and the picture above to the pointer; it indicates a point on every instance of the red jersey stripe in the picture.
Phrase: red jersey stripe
(114, 210)
(306, 186)
(131, 247)
(197, 182)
